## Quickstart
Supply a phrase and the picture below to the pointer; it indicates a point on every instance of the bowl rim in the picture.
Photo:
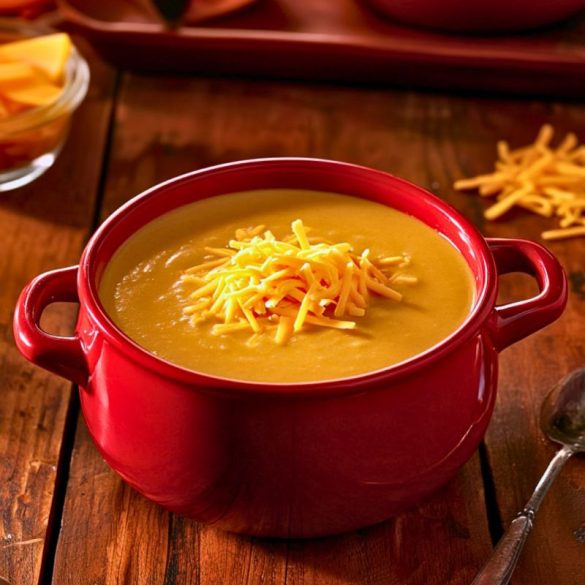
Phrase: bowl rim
(89, 299)
(75, 86)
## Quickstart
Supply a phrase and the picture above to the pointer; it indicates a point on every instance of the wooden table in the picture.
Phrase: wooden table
(67, 519)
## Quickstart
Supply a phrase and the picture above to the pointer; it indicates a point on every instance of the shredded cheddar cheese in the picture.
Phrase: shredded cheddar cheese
(539, 178)
(259, 283)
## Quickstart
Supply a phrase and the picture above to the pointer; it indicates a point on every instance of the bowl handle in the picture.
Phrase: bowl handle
(514, 321)
(61, 355)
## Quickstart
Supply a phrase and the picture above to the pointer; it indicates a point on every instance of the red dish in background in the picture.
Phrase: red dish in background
(198, 10)
(25, 8)
(334, 40)
(291, 459)
(479, 15)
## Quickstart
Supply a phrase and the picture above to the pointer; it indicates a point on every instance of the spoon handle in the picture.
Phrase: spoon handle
(499, 568)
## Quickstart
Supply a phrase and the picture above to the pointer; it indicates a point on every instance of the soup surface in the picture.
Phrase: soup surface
(142, 291)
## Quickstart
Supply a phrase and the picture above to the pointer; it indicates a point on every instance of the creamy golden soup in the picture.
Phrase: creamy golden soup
(143, 292)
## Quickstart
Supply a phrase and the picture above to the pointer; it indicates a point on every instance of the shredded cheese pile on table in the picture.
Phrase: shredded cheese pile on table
(545, 180)
(259, 282)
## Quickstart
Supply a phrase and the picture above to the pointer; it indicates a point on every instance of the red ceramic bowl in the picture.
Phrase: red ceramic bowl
(479, 15)
(288, 460)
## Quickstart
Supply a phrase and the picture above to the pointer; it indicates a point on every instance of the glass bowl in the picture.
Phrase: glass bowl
(30, 141)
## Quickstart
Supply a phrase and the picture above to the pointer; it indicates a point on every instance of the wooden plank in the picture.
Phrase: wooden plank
(111, 535)
(517, 450)
(42, 226)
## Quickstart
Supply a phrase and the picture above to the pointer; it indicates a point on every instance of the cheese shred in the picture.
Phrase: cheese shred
(540, 178)
(260, 283)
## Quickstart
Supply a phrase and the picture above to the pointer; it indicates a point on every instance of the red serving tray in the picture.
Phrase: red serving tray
(339, 40)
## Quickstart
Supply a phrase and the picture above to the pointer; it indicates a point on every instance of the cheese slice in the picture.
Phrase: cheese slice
(11, 73)
(35, 92)
(47, 53)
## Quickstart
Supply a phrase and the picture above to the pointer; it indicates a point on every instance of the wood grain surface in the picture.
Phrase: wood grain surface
(43, 227)
(164, 126)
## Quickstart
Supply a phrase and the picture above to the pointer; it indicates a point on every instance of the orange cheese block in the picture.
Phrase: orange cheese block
(22, 83)
(16, 73)
(35, 94)
(48, 53)
(31, 71)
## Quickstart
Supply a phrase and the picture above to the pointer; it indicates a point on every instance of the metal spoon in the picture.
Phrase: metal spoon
(563, 420)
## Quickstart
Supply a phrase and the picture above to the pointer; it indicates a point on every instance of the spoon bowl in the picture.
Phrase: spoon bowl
(563, 411)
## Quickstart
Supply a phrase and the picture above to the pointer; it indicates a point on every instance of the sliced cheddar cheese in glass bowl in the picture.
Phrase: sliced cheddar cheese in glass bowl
(43, 79)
